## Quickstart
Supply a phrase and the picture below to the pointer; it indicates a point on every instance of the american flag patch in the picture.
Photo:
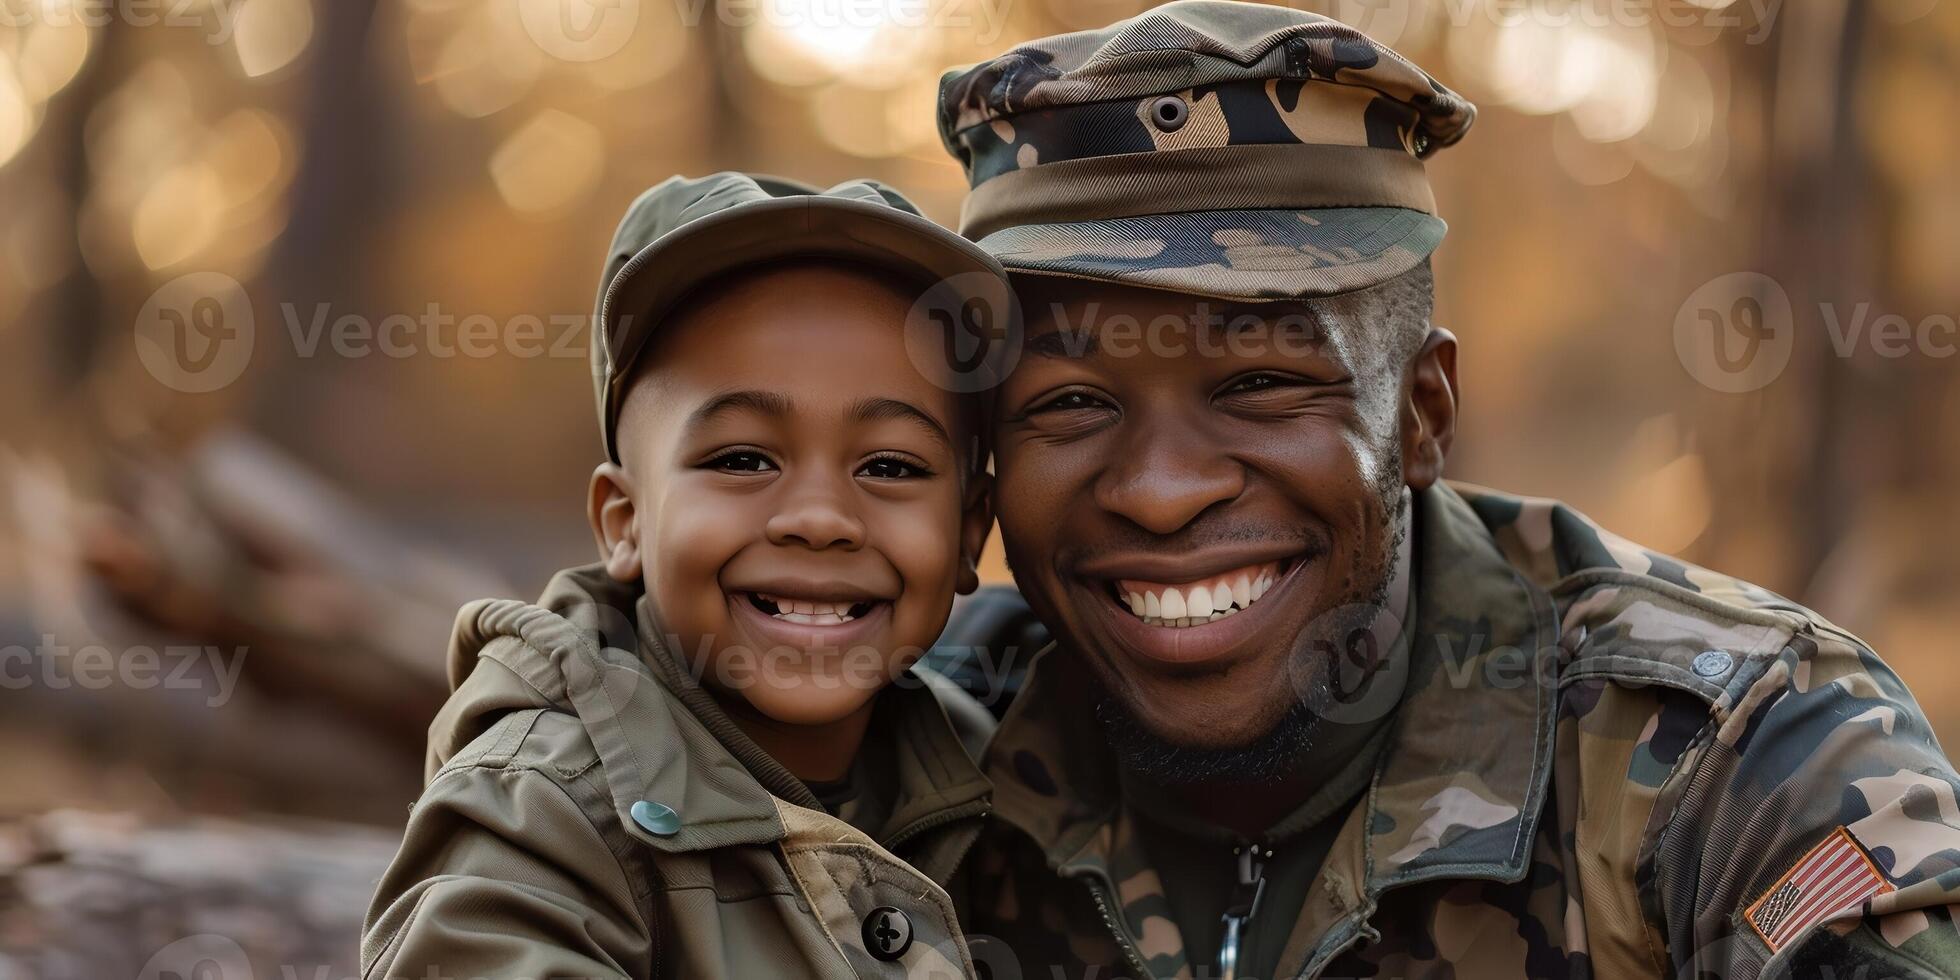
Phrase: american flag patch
(1835, 877)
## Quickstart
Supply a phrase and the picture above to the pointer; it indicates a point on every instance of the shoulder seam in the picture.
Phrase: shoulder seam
(642, 890)
(1751, 615)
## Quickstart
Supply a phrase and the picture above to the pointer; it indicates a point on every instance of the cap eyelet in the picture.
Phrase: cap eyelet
(1169, 113)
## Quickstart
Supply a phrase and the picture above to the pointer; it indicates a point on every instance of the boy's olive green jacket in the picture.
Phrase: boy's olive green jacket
(543, 845)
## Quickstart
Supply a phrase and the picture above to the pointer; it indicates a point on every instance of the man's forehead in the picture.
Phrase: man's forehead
(1081, 321)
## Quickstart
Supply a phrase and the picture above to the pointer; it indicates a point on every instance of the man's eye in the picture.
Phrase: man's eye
(742, 461)
(1069, 401)
(889, 468)
(1260, 382)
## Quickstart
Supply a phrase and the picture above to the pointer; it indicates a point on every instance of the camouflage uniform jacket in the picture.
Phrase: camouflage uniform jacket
(535, 851)
(1607, 763)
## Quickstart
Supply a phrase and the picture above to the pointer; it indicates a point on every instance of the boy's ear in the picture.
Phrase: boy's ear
(615, 524)
(976, 521)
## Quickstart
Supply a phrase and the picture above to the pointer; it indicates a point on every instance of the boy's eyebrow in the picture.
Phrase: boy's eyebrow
(765, 402)
(872, 409)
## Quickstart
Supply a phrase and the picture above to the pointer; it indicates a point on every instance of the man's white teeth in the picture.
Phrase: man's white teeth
(1174, 604)
(1197, 603)
(811, 613)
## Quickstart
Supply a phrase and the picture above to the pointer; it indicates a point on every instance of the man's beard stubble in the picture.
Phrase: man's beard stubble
(1279, 751)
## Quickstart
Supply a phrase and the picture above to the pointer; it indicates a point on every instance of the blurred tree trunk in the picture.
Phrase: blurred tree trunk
(1782, 499)
(77, 321)
(349, 151)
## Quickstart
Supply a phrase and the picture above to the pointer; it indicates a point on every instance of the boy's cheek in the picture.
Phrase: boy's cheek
(682, 563)
(924, 545)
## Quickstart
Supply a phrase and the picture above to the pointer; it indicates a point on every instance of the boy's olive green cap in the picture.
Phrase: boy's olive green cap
(685, 231)
(1233, 150)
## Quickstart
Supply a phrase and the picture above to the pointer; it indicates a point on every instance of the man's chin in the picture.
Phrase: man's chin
(1183, 747)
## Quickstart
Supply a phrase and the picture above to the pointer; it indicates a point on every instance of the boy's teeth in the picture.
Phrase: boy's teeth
(811, 613)
(1197, 603)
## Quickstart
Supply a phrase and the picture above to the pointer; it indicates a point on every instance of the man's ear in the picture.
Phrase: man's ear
(976, 521)
(1429, 410)
(615, 524)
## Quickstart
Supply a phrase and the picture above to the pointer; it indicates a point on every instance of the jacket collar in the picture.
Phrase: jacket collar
(1456, 794)
(575, 650)
(1459, 788)
(591, 646)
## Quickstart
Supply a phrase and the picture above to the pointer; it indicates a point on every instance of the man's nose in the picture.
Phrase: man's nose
(1167, 474)
(817, 514)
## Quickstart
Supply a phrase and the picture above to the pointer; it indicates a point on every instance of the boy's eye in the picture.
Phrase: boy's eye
(742, 461)
(890, 468)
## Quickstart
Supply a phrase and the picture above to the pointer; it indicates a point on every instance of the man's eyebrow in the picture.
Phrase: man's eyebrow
(747, 400)
(873, 409)
(1080, 342)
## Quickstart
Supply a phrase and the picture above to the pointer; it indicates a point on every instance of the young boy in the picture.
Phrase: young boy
(691, 760)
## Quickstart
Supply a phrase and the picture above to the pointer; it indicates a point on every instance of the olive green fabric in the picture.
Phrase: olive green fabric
(523, 857)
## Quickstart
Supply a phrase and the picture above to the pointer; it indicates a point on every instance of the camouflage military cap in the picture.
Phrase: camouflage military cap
(1224, 149)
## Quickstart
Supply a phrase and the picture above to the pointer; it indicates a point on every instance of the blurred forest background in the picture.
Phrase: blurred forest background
(327, 510)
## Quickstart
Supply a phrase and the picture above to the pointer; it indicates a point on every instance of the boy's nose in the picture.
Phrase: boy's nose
(816, 518)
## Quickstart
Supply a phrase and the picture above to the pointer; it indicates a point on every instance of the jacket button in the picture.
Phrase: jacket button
(1712, 663)
(887, 933)
(656, 818)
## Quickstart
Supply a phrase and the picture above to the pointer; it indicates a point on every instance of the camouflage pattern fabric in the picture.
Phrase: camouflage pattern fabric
(1233, 150)
(1605, 760)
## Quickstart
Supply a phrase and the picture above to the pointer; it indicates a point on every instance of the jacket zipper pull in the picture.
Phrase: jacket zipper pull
(1251, 885)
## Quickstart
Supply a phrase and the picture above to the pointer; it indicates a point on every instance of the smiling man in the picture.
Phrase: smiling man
(1310, 710)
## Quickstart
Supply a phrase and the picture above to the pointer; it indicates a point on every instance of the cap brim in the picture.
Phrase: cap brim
(801, 226)
(1256, 255)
